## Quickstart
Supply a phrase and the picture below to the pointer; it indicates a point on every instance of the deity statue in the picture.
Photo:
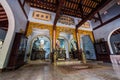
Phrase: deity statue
(42, 44)
(57, 44)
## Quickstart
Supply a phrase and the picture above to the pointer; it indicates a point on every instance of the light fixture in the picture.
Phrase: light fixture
(118, 3)
(105, 12)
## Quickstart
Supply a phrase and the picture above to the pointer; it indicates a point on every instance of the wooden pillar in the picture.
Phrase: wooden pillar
(54, 39)
(78, 44)
(54, 46)
(77, 39)
(81, 54)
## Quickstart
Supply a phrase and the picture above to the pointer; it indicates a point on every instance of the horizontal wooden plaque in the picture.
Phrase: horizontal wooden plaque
(41, 15)
(86, 25)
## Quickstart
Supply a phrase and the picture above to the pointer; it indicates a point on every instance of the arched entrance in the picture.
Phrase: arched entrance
(114, 41)
(3, 25)
(40, 48)
(9, 35)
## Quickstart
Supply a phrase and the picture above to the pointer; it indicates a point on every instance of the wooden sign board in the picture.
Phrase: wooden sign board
(66, 20)
(86, 25)
(41, 15)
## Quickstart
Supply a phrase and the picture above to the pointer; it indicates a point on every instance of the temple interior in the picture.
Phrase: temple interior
(59, 39)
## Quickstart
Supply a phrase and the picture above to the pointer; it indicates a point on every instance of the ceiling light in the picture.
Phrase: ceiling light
(105, 12)
(118, 2)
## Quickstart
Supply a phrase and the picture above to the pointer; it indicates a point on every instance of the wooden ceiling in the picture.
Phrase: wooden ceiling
(84, 9)
(76, 8)
(3, 19)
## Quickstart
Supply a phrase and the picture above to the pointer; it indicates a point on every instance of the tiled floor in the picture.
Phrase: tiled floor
(46, 71)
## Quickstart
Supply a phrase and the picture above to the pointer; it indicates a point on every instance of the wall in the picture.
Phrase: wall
(105, 31)
(26, 7)
(20, 18)
(112, 10)
(31, 19)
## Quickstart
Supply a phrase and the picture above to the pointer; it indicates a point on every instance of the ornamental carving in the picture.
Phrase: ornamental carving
(66, 20)
(39, 26)
(66, 30)
(85, 25)
(84, 32)
(41, 15)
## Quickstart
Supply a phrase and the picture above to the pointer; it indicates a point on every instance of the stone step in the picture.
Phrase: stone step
(68, 62)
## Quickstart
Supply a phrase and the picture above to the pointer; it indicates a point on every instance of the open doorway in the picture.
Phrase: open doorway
(115, 41)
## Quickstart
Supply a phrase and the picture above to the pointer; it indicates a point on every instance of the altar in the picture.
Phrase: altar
(38, 54)
(60, 54)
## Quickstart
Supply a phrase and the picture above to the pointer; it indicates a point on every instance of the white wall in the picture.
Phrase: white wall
(20, 18)
(27, 8)
(106, 30)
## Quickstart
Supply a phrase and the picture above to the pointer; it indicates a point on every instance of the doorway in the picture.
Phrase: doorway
(115, 41)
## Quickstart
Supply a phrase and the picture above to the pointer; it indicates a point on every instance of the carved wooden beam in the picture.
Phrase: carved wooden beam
(96, 1)
(22, 7)
(81, 9)
(58, 12)
(77, 3)
(98, 8)
(100, 18)
(24, 3)
(110, 20)
(96, 18)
